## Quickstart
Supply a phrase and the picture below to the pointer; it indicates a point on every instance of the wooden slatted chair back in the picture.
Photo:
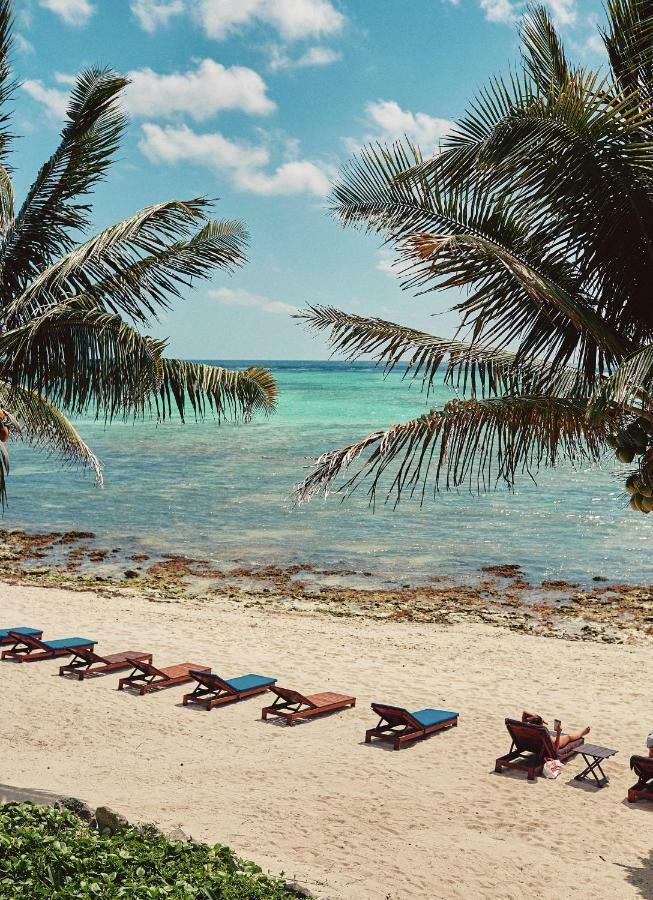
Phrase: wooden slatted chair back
(531, 738)
(290, 695)
(28, 639)
(396, 716)
(147, 668)
(212, 680)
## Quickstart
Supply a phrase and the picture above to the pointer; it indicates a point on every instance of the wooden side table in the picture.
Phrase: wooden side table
(594, 756)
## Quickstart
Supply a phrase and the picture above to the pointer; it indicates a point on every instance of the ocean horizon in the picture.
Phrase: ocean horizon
(223, 492)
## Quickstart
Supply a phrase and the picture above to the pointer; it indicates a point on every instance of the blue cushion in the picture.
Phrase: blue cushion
(247, 682)
(4, 632)
(428, 717)
(68, 642)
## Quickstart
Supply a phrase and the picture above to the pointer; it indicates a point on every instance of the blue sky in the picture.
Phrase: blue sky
(258, 102)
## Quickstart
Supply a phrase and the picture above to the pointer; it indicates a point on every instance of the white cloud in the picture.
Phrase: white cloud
(594, 46)
(505, 12)
(314, 56)
(388, 122)
(154, 13)
(54, 99)
(22, 44)
(73, 12)
(499, 11)
(299, 176)
(200, 92)
(385, 263)
(246, 165)
(240, 297)
(65, 78)
(293, 19)
(563, 11)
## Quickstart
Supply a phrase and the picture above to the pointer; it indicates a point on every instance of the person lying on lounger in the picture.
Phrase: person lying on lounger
(561, 739)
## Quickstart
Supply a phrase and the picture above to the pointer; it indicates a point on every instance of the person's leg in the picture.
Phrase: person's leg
(565, 739)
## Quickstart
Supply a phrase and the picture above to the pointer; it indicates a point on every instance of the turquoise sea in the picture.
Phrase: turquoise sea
(222, 492)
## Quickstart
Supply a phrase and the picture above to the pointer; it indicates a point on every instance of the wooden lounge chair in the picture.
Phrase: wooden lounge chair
(531, 746)
(5, 633)
(27, 648)
(291, 705)
(145, 677)
(642, 766)
(399, 726)
(88, 662)
(212, 690)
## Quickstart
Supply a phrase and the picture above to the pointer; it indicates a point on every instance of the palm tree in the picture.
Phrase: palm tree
(539, 209)
(70, 310)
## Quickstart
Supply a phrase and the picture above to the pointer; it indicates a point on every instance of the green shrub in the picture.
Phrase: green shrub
(47, 853)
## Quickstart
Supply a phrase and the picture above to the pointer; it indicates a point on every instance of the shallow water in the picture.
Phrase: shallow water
(222, 492)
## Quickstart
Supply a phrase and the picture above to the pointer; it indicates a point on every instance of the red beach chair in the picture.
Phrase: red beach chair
(399, 726)
(212, 690)
(291, 705)
(88, 662)
(531, 746)
(27, 648)
(5, 633)
(145, 677)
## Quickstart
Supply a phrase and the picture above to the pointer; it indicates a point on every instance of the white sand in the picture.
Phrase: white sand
(346, 819)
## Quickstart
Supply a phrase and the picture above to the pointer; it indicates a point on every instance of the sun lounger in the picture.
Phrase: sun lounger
(87, 661)
(531, 746)
(145, 677)
(291, 705)
(212, 690)
(5, 633)
(27, 648)
(642, 766)
(399, 726)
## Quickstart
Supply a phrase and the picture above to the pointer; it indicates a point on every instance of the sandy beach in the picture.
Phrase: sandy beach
(345, 819)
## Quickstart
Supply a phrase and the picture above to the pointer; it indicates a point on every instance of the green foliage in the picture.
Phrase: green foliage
(45, 853)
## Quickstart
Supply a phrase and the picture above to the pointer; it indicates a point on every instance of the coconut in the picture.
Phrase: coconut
(4, 433)
(633, 483)
(638, 437)
(645, 425)
(646, 505)
(624, 440)
(645, 489)
(635, 502)
(625, 455)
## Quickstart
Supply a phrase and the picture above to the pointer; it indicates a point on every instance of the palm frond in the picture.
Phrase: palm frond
(464, 257)
(81, 357)
(629, 42)
(7, 199)
(542, 51)
(485, 370)
(477, 443)
(213, 389)
(53, 209)
(45, 427)
(525, 289)
(7, 83)
(631, 383)
(112, 255)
